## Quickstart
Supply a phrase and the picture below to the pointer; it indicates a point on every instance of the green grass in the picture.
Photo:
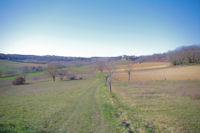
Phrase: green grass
(7, 65)
(42, 106)
(170, 106)
(12, 69)
(27, 75)
(63, 106)
(86, 106)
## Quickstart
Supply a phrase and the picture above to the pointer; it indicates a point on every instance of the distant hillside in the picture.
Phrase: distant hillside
(181, 55)
(41, 59)
(47, 58)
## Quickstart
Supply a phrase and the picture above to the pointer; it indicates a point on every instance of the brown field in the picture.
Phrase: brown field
(145, 65)
(170, 73)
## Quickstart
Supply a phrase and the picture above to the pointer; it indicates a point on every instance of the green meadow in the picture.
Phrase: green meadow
(87, 106)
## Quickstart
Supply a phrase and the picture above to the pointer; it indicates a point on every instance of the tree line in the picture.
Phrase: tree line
(185, 55)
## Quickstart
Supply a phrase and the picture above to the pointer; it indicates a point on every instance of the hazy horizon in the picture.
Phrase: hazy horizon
(97, 28)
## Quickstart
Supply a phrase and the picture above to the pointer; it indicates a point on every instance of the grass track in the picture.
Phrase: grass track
(86, 106)
(63, 106)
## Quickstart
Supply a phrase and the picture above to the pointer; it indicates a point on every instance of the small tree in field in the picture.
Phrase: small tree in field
(109, 72)
(106, 79)
(24, 70)
(52, 69)
(101, 66)
(129, 70)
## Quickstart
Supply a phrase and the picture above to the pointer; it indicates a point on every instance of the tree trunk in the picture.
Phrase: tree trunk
(106, 80)
(24, 76)
(54, 78)
(110, 86)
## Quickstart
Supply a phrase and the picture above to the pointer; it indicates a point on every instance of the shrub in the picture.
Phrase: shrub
(18, 81)
(72, 77)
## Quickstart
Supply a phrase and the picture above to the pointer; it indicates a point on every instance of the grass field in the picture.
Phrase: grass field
(72, 106)
(173, 106)
(12, 68)
(169, 73)
(144, 65)
(86, 105)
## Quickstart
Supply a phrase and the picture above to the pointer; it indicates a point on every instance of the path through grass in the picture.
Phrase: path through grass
(86, 106)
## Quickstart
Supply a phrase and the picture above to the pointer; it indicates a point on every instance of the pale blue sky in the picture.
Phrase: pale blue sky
(97, 28)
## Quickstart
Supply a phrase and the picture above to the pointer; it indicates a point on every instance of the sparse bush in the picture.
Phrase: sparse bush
(24, 71)
(62, 74)
(72, 77)
(52, 70)
(18, 81)
(37, 69)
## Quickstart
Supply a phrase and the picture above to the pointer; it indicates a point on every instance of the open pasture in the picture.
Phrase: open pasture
(171, 73)
(51, 107)
(172, 106)
(85, 105)
(10, 68)
(144, 65)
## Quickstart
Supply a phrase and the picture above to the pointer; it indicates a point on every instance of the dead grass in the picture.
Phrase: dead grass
(145, 65)
(172, 73)
(171, 105)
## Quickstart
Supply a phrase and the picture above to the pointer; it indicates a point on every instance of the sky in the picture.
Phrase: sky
(97, 27)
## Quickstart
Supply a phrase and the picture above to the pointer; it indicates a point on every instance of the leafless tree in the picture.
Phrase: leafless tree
(106, 78)
(101, 66)
(109, 72)
(129, 69)
(25, 70)
(185, 55)
(52, 69)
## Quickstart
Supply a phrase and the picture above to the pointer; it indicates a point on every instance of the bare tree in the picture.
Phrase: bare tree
(129, 69)
(24, 70)
(52, 70)
(185, 55)
(109, 72)
(106, 78)
(101, 66)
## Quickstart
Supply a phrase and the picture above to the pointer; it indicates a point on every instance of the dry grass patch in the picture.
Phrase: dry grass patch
(145, 65)
(171, 105)
(172, 73)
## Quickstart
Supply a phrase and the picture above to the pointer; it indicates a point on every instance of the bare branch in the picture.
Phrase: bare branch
(52, 70)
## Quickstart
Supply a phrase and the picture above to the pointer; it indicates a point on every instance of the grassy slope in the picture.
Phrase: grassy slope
(171, 106)
(45, 106)
(86, 106)
(172, 73)
(6, 65)
(73, 106)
